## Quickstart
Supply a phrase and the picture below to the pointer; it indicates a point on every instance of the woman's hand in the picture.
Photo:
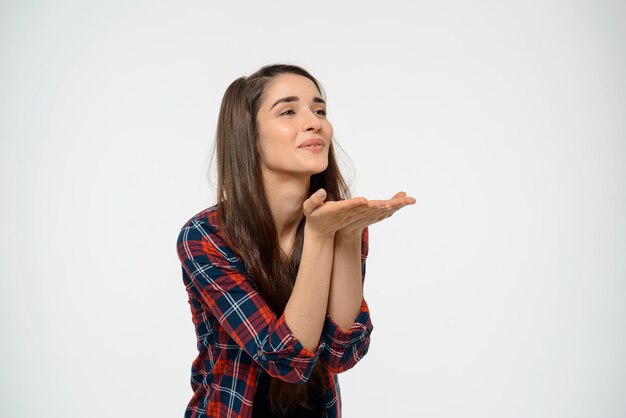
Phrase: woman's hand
(350, 215)
(326, 218)
(377, 211)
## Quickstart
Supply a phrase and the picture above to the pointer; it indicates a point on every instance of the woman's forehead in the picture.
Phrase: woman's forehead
(291, 85)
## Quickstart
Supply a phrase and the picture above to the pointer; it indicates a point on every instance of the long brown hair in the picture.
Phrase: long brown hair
(244, 214)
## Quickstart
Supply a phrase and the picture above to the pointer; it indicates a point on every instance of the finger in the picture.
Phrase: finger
(399, 194)
(392, 211)
(314, 201)
(377, 203)
(401, 201)
(356, 201)
(373, 213)
(349, 204)
(369, 214)
(384, 213)
(398, 201)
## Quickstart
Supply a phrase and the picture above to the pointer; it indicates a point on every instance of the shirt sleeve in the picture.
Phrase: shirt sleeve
(225, 290)
(344, 348)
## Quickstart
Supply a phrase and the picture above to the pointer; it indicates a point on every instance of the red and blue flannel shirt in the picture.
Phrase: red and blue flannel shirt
(238, 334)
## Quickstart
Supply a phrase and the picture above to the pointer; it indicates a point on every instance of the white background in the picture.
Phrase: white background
(501, 293)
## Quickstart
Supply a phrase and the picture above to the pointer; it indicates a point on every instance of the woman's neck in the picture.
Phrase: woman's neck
(285, 195)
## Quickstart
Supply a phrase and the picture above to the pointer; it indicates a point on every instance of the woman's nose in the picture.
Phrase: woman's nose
(312, 123)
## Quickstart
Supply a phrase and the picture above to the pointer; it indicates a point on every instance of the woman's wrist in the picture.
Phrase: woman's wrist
(346, 236)
(314, 234)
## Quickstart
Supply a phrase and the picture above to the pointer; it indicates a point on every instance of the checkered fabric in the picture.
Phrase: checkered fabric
(238, 334)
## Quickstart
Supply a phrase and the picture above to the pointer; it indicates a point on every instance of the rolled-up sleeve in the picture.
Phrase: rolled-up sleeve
(229, 295)
(344, 348)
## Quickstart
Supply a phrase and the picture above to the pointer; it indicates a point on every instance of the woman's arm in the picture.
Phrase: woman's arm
(221, 282)
(346, 285)
(347, 343)
(306, 309)
(348, 324)
(331, 272)
(346, 292)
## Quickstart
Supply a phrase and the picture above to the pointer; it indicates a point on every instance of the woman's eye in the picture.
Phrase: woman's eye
(291, 112)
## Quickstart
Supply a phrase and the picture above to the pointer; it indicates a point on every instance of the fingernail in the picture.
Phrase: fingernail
(320, 193)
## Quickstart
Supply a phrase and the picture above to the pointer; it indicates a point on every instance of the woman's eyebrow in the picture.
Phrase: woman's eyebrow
(295, 99)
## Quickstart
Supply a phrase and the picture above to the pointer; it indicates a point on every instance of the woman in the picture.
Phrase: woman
(275, 270)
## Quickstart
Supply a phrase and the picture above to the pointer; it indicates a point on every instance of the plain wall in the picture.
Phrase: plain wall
(499, 294)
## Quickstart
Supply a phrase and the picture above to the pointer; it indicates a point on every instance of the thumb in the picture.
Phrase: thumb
(314, 201)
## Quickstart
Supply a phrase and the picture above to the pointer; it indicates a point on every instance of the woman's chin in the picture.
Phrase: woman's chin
(318, 169)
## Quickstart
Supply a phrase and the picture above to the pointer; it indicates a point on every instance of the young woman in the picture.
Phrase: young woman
(275, 270)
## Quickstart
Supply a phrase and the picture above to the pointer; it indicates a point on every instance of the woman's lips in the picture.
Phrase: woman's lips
(313, 148)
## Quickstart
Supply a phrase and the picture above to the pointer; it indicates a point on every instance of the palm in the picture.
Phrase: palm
(352, 215)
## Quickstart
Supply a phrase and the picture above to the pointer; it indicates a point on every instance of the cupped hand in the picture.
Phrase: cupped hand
(377, 210)
(350, 215)
(325, 218)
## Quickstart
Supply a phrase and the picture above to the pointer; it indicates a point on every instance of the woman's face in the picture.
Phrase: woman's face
(294, 134)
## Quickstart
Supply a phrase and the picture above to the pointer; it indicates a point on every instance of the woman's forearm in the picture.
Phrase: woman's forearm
(306, 309)
(346, 286)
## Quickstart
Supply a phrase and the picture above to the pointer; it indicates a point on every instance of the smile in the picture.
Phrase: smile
(313, 147)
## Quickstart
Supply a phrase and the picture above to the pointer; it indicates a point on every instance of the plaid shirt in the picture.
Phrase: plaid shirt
(238, 334)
